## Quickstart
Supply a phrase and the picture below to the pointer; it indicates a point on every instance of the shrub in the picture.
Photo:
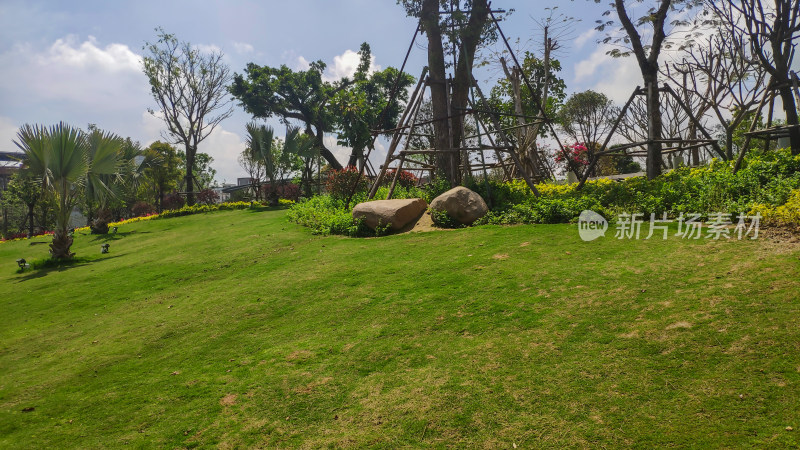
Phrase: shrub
(142, 209)
(326, 215)
(340, 183)
(444, 220)
(787, 215)
(435, 188)
(207, 197)
(100, 223)
(406, 179)
(173, 201)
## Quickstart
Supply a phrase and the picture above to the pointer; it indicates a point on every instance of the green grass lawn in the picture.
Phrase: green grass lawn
(239, 329)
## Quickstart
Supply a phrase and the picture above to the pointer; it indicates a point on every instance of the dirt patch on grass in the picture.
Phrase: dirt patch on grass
(308, 388)
(781, 235)
(679, 325)
(500, 256)
(228, 400)
(423, 224)
(298, 354)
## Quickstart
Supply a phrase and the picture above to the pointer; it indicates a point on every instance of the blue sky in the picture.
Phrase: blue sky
(79, 61)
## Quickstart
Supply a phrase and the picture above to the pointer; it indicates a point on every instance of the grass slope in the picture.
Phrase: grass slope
(241, 329)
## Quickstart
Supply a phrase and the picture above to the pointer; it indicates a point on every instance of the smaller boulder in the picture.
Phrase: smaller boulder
(398, 213)
(461, 204)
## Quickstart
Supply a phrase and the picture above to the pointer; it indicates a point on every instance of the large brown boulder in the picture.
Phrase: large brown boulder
(398, 213)
(462, 204)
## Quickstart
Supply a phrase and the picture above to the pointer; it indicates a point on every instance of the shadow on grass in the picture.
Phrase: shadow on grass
(260, 209)
(43, 267)
(115, 236)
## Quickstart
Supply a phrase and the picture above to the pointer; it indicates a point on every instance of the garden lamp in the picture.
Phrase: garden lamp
(22, 263)
(104, 248)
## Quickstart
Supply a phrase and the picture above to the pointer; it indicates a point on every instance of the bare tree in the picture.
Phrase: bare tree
(189, 87)
(725, 77)
(647, 56)
(772, 31)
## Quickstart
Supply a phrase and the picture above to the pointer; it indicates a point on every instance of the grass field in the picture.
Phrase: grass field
(241, 329)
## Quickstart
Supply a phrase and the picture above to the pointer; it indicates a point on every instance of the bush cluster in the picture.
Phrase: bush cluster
(786, 215)
(328, 214)
(765, 184)
(766, 180)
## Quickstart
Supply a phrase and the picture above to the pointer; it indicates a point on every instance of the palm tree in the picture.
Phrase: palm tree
(301, 146)
(60, 158)
(104, 150)
(259, 141)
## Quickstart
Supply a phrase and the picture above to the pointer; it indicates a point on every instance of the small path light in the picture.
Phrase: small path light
(104, 248)
(22, 264)
(114, 230)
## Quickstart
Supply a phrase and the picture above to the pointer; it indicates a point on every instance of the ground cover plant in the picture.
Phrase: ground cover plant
(490, 336)
(766, 182)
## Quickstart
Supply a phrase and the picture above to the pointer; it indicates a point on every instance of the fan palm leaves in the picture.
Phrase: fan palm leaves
(68, 161)
(260, 144)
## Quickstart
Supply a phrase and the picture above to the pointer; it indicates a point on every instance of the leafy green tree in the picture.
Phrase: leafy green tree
(301, 153)
(203, 173)
(59, 156)
(189, 88)
(501, 96)
(368, 105)
(291, 95)
(588, 116)
(163, 174)
(24, 190)
(250, 161)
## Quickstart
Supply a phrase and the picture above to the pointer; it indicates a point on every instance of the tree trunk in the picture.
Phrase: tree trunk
(442, 139)
(654, 124)
(790, 107)
(190, 152)
(5, 221)
(62, 241)
(470, 37)
(729, 141)
(30, 219)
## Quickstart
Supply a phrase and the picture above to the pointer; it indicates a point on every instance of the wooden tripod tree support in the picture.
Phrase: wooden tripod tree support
(408, 123)
(693, 143)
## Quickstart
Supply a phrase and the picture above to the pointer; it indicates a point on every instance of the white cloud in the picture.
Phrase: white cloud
(8, 133)
(586, 68)
(584, 37)
(69, 70)
(243, 47)
(205, 48)
(619, 78)
(614, 77)
(302, 64)
(345, 65)
(88, 56)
